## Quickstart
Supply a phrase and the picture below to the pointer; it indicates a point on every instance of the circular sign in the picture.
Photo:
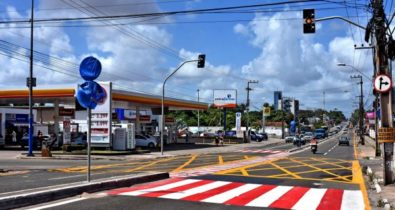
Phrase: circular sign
(382, 83)
(90, 68)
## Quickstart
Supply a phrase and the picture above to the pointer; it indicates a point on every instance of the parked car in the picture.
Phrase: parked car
(264, 136)
(36, 141)
(344, 140)
(142, 141)
(255, 136)
(289, 139)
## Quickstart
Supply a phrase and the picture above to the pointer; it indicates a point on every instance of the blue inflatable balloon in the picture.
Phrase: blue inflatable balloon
(90, 68)
(90, 94)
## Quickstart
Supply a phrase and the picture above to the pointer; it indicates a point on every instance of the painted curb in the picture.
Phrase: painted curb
(73, 189)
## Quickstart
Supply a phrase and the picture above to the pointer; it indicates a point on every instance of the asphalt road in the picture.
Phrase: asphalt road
(286, 181)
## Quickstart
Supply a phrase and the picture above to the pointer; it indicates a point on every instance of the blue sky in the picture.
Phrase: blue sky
(264, 44)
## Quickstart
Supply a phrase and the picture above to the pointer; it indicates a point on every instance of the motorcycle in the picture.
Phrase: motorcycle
(313, 146)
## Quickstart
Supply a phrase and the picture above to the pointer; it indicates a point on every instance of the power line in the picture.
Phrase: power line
(195, 11)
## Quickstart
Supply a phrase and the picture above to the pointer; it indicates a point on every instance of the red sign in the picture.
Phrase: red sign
(66, 112)
(145, 118)
(170, 120)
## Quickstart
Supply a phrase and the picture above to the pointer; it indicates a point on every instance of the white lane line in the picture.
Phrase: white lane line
(330, 149)
(57, 204)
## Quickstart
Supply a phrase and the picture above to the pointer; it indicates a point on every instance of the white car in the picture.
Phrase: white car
(142, 141)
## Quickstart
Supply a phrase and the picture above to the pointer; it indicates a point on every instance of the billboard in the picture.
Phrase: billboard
(225, 98)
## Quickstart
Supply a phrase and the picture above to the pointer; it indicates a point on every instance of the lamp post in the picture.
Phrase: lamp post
(198, 91)
(201, 61)
(248, 104)
(355, 69)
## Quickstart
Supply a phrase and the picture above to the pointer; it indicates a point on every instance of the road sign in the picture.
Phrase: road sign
(382, 83)
(386, 135)
(266, 111)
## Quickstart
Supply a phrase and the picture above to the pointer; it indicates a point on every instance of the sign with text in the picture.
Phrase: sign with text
(145, 118)
(225, 98)
(66, 112)
(386, 135)
(102, 117)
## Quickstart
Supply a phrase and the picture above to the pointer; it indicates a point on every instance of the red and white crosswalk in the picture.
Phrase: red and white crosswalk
(244, 194)
(260, 151)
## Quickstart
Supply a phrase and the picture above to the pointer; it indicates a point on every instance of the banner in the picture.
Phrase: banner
(370, 115)
(225, 98)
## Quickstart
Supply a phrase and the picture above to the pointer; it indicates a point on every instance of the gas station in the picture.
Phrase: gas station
(58, 109)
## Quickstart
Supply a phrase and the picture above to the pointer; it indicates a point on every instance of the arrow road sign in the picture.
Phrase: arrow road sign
(382, 83)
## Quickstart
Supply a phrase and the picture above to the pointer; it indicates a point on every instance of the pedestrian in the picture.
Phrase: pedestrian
(13, 134)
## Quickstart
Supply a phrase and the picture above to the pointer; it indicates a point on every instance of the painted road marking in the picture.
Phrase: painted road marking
(330, 149)
(57, 204)
(260, 151)
(244, 194)
(226, 166)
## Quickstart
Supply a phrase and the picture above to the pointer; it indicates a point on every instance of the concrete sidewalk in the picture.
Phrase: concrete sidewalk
(380, 196)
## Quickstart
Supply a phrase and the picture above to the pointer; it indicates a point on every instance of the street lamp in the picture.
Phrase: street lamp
(343, 64)
(201, 62)
(248, 103)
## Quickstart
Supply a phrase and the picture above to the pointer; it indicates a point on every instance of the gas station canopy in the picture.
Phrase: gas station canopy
(120, 99)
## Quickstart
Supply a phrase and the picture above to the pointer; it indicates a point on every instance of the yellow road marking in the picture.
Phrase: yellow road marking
(244, 167)
(220, 159)
(285, 170)
(244, 172)
(333, 164)
(245, 157)
(186, 163)
(323, 170)
(311, 179)
(84, 168)
(358, 178)
(148, 165)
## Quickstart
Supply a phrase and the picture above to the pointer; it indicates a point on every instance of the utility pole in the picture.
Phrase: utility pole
(282, 119)
(31, 82)
(382, 67)
(248, 105)
(361, 110)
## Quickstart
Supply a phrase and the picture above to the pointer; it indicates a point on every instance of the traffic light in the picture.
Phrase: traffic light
(201, 60)
(309, 21)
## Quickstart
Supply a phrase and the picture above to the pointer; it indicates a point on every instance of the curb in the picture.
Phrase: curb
(27, 199)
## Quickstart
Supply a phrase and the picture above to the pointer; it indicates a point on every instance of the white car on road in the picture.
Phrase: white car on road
(143, 141)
